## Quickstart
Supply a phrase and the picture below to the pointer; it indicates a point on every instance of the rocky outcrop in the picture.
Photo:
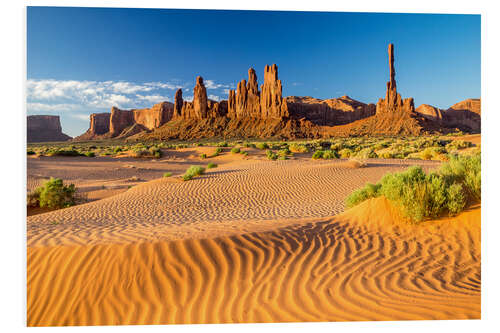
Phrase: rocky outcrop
(119, 120)
(430, 112)
(248, 97)
(99, 123)
(465, 115)
(178, 101)
(329, 112)
(42, 128)
(154, 117)
(392, 101)
(272, 103)
(201, 107)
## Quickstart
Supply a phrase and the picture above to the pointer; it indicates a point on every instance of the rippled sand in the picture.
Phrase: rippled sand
(250, 241)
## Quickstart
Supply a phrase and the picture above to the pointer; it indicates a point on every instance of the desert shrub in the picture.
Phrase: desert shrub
(329, 154)
(298, 148)
(211, 165)
(216, 152)
(362, 194)
(53, 194)
(421, 195)
(345, 153)
(193, 171)
(117, 150)
(249, 145)
(282, 157)
(262, 145)
(317, 154)
(235, 150)
(244, 153)
(203, 156)
(89, 154)
(271, 155)
(63, 152)
(366, 153)
(457, 145)
(167, 174)
(222, 144)
(284, 152)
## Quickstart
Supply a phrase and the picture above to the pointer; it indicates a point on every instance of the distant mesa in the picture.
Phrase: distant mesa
(250, 112)
(41, 128)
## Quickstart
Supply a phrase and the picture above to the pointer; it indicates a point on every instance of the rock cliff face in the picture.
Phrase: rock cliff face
(329, 112)
(465, 115)
(178, 101)
(99, 123)
(45, 129)
(430, 112)
(392, 101)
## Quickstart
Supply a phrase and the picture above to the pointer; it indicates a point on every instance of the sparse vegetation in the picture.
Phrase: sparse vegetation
(262, 145)
(53, 194)
(193, 171)
(420, 196)
(235, 150)
(167, 174)
(271, 155)
(211, 165)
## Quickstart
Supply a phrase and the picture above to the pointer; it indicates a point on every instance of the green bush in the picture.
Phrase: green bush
(421, 195)
(271, 155)
(63, 152)
(262, 145)
(317, 154)
(298, 148)
(203, 156)
(366, 153)
(90, 154)
(167, 174)
(53, 194)
(222, 144)
(235, 150)
(345, 153)
(329, 154)
(211, 165)
(193, 171)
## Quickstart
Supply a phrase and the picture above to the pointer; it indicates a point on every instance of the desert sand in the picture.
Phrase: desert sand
(250, 241)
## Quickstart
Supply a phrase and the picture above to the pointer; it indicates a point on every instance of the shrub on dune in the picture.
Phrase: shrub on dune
(193, 171)
(262, 145)
(271, 155)
(53, 194)
(330, 154)
(298, 148)
(167, 174)
(420, 195)
(345, 153)
(203, 156)
(235, 150)
(211, 165)
(317, 154)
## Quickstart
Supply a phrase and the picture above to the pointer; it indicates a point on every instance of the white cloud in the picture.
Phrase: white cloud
(214, 97)
(48, 95)
(210, 84)
(83, 117)
(188, 98)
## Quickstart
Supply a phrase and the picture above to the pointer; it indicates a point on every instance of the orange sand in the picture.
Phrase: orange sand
(250, 241)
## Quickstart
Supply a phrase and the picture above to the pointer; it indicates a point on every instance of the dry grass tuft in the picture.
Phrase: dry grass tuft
(355, 163)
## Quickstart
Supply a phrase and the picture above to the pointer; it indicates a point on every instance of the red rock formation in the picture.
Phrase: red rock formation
(329, 112)
(201, 107)
(45, 129)
(178, 101)
(99, 123)
(465, 115)
(154, 117)
(231, 104)
(119, 120)
(430, 112)
(392, 101)
(271, 101)
(200, 99)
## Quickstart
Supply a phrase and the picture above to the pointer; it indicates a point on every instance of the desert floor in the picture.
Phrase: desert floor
(252, 240)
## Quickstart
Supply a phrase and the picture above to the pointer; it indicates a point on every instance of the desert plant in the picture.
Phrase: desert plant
(193, 171)
(298, 148)
(262, 145)
(329, 154)
(317, 154)
(345, 153)
(211, 165)
(235, 150)
(53, 194)
(167, 174)
(203, 156)
(271, 155)
(90, 154)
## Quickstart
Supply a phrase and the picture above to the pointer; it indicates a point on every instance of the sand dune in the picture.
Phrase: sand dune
(250, 241)
(329, 270)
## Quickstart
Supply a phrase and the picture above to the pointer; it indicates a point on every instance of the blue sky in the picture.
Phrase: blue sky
(85, 60)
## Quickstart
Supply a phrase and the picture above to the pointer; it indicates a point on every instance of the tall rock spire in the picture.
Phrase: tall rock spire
(392, 101)
(272, 104)
(178, 101)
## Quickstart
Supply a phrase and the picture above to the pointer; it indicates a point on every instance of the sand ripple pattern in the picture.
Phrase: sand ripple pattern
(329, 270)
(252, 191)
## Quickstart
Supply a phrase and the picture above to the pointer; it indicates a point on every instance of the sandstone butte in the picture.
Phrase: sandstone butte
(250, 112)
(44, 129)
